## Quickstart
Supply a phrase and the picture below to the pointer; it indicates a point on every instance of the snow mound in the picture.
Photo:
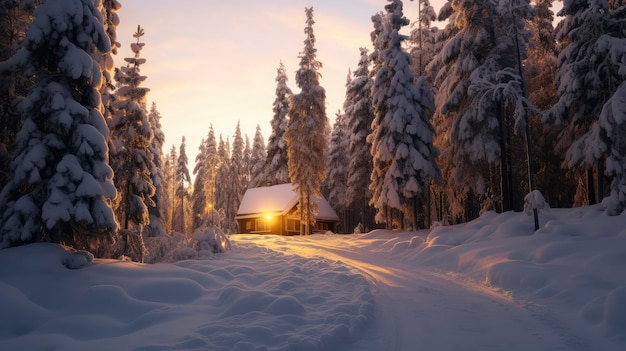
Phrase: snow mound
(574, 263)
(248, 299)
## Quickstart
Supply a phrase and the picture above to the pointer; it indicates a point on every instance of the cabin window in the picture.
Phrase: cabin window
(293, 225)
(248, 225)
(261, 225)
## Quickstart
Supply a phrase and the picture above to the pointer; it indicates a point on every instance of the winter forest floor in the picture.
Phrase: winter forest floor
(490, 284)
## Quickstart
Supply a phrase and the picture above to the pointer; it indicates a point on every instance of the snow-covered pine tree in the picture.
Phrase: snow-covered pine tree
(402, 144)
(359, 117)
(276, 170)
(498, 90)
(257, 159)
(588, 74)
(62, 186)
(237, 179)
(161, 198)
(203, 197)
(223, 184)
(469, 143)
(423, 38)
(557, 187)
(199, 196)
(605, 143)
(131, 151)
(169, 175)
(182, 178)
(111, 21)
(213, 160)
(608, 137)
(337, 174)
(307, 130)
(247, 154)
(15, 18)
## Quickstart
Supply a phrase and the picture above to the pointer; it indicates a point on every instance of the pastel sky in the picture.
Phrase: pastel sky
(214, 62)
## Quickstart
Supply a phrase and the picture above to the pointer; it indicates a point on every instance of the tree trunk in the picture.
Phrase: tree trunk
(599, 166)
(505, 164)
(302, 222)
(591, 188)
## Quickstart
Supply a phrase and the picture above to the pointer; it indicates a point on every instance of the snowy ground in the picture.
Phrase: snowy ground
(485, 285)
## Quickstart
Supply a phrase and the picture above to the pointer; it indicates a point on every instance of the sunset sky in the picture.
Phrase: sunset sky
(214, 62)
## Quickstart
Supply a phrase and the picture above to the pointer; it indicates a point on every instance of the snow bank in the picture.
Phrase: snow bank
(574, 263)
(248, 299)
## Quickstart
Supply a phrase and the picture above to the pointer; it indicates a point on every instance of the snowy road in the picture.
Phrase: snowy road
(418, 309)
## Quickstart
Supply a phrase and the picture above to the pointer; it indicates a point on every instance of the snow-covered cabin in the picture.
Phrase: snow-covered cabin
(273, 210)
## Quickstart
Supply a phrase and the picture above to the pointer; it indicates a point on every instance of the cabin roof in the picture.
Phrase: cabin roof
(278, 200)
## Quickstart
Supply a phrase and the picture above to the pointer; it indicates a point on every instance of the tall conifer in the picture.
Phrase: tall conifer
(307, 130)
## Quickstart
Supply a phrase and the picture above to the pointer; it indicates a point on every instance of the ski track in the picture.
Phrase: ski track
(415, 305)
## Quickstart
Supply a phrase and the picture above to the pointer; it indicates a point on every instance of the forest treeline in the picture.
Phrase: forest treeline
(437, 126)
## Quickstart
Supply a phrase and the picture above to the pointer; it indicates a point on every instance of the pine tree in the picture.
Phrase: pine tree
(237, 178)
(212, 159)
(276, 170)
(307, 130)
(223, 183)
(588, 74)
(169, 175)
(607, 137)
(199, 196)
(257, 159)
(469, 141)
(596, 29)
(359, 117)
(111, 20)
(15, 18)
(247, 155)
(557, 187)
(131, 137)
(402, 145)
(337, 175)
(423, 38)
(62, 186)
(161, 198)
(182, 178)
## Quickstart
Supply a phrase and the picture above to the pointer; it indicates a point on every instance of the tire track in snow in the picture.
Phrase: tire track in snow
(421, 310)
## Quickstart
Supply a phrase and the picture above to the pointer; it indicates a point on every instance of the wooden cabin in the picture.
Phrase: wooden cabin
(274, 210)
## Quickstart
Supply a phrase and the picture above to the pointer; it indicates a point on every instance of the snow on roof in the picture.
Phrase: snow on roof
(279, 199)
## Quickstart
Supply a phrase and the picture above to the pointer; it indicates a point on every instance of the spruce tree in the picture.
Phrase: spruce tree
(247, 155)
(402, 144)
(469, 141)
(223, 184)
(589, 72)
(182, 178)
(131, 139)
(276, 170)
(169, 176)
(15, 18)
(607, 138)
(111, 20)
(423, 38)
(359, 117)
(62, 186)
(307, 130)
(237, 179)
(337, 175)
(212, 159)
(161, 198)
(596, 29)
(199, 197)
(257, 159)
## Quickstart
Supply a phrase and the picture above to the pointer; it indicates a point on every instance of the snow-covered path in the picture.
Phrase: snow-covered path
(418, 309)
